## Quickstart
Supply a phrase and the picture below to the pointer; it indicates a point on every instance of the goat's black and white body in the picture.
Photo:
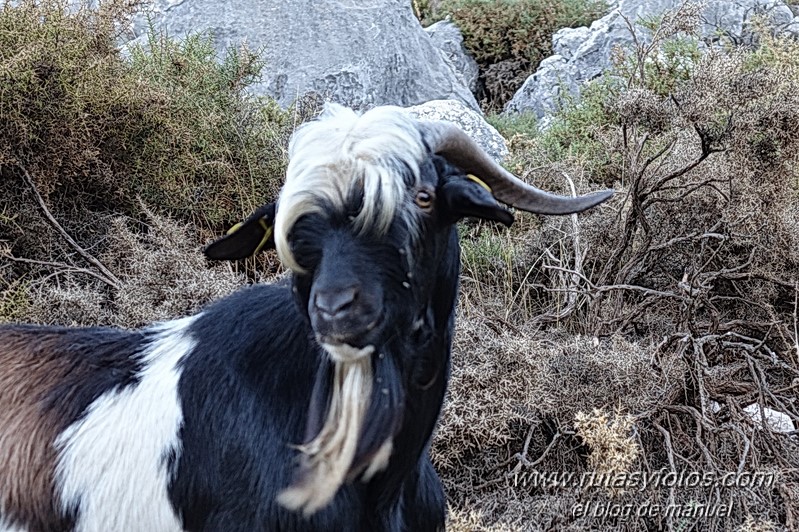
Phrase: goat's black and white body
(304, 406)
(190, 424)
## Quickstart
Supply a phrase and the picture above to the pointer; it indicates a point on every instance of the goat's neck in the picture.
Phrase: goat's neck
(425, 375)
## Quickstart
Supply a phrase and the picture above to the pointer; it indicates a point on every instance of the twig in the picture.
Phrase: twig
(66, 268)
(747, 446)
(517, 456)
(522, 457)
(795, 327)
(107, 277)
(578, 256)
(570, 281)
(790, 520)
(670, 454)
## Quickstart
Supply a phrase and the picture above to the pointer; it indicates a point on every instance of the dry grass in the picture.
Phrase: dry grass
(162, 274)
(472, 521)
(609, 437)
(516, 412)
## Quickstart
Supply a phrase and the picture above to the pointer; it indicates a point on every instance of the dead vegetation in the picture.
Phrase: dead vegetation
(692, 268)
(159, 274)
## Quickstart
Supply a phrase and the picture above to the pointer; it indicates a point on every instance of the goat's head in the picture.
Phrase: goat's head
(365, 221)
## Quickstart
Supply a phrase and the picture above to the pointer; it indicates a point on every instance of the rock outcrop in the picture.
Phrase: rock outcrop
(468, 120)
(582, 54)
(359, 53)
(448, 38)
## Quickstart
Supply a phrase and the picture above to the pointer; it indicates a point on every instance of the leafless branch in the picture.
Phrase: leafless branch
(63, 267)
(105, 274)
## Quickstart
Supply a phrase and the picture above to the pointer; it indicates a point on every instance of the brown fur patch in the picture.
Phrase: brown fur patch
(29, 367)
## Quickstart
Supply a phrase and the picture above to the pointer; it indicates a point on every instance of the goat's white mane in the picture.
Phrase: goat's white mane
(378, 151)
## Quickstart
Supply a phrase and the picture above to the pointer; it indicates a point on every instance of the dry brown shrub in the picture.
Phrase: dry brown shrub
(510, 419)
(472, 521)
(513, 397)
(501, 81)
(609, 437)
(67, 302)
(162, 275)
(754, 525)
(695, 259)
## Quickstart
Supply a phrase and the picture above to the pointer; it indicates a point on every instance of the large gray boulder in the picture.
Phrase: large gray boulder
(448, 38)
(583, 54)
(359, 53)
(470, 121)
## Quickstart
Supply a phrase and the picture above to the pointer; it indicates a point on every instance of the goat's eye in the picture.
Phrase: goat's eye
(424, 199)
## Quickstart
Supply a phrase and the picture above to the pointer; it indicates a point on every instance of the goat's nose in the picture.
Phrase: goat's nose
(334, 303)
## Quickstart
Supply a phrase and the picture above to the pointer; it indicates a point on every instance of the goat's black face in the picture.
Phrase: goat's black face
(359, 288)
(343, 288)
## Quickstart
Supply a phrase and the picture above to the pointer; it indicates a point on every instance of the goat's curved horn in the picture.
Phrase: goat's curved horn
(449, 141)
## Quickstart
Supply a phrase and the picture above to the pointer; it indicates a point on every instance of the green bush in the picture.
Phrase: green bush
(496, 30)
(509, 125)
(667, 57)
(424, 11)
(97, 131)
(218, 153)
(577, 131)
(508, 38)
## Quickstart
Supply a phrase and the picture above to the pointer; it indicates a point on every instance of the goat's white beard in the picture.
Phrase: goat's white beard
(328, 457)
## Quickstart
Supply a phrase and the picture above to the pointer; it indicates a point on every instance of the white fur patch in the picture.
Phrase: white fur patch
(380, 460)
(328, 457)
(111, 463)
(6, 526)
(347, 353)
(340, 151)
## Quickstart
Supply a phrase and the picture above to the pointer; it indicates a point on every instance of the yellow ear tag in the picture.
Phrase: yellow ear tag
(267, 234)
(479, 182)
(234, 228)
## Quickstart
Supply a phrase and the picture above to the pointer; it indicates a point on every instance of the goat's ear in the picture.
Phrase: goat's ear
(464, 196)
(246, 238)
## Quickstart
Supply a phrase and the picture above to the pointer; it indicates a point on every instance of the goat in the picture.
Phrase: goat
(307, 404)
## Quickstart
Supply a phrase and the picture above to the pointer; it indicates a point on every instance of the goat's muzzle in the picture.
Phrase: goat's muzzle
(345, 314)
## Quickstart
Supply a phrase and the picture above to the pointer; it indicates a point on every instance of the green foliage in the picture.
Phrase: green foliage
(96, 131)
(497, 30)
(57, 70)
(664, 53)
(577, 130)
(775, 52)
(673, 65)
(497, 270)
(216, 150)
(508, 38)
(487, 251)
(423, 9)
(642, 77)
(510, 125)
